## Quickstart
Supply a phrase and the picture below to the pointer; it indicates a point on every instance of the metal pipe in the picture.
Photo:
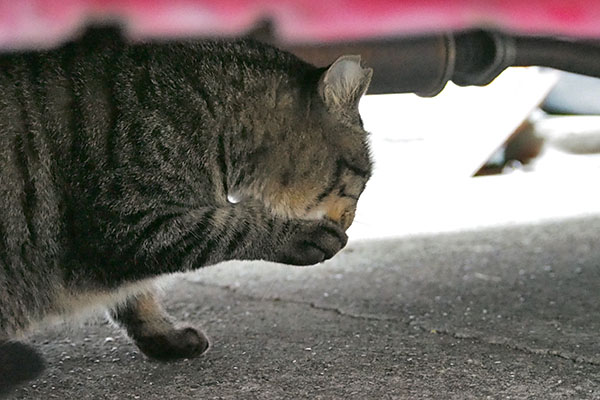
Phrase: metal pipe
(421, 64)
(578, 56)
(424, 65)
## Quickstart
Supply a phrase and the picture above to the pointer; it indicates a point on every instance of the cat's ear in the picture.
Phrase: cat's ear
(344, 83)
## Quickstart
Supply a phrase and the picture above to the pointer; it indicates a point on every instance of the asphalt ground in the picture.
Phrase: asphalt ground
(499, 313)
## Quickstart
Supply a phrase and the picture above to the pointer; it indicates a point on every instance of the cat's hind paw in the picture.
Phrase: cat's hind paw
(19, 363)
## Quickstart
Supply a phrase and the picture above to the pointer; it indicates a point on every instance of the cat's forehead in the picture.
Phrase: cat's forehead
(351, 142)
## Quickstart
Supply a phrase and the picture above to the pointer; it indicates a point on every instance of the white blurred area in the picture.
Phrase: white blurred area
(427, 149)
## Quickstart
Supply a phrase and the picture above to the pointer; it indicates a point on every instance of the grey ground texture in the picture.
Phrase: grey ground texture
(503, 313)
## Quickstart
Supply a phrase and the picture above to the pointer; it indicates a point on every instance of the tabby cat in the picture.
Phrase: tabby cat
(118, 163)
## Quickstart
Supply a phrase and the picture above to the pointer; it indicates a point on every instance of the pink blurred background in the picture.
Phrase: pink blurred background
(34, 23)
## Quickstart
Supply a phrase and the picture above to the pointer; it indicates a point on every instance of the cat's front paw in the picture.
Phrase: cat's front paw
(312, 242)
(174, 344)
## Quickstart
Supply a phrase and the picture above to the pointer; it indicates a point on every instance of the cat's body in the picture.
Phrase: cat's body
(117, 160)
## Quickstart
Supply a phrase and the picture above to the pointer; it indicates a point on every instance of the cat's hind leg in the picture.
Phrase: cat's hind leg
(154, 333)
(19, 363)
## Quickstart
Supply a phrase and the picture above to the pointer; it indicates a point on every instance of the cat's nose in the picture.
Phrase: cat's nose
(344, 219)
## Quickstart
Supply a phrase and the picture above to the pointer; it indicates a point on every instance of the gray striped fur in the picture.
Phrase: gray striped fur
(117, 160)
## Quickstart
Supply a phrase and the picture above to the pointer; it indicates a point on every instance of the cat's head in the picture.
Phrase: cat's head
(322, 162)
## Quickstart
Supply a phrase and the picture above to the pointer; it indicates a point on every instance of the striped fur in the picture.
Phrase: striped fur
(117, 160)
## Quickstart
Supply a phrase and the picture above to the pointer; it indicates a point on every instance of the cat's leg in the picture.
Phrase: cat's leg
(173, 242)
(153, 332)
(18, 363)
